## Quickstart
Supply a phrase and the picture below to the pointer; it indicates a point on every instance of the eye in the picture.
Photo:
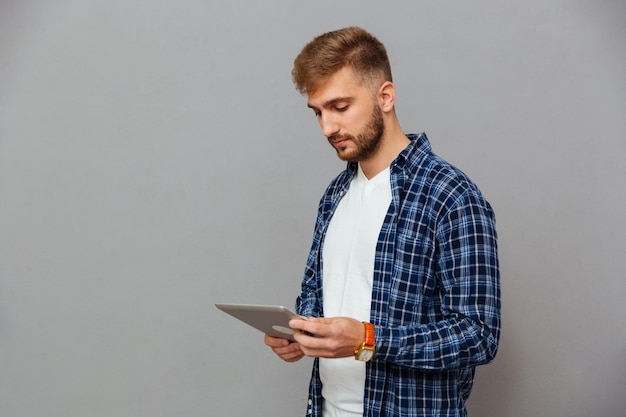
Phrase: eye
(341, 109)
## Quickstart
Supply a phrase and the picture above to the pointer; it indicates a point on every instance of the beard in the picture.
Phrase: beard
(365, 143)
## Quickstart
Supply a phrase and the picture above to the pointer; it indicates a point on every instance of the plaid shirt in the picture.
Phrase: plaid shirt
(436, 291)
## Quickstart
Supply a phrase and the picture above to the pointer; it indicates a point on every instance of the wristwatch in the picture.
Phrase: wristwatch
(365, 352)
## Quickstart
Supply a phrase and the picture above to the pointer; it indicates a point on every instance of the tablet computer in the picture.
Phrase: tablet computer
(270, 319)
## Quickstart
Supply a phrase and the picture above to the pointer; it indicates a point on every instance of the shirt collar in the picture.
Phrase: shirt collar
(413, 154)
(409, 158)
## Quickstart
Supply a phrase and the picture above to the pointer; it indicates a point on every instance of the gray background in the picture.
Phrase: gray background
(155, 159)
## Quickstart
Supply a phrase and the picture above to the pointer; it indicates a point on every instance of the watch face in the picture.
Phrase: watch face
(365, 355)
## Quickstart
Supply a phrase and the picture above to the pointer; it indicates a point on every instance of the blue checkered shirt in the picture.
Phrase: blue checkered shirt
(436, 291)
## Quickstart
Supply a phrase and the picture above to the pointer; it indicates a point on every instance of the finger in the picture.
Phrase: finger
(297, 324)
(274, 342)
(293, 357)
(281, 346)
(308, 342)
(290, 353)
(310, 327)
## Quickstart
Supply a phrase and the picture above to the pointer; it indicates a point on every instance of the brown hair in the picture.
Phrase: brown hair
(349, 47)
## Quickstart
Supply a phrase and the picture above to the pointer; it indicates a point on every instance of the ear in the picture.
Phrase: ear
(386, 96)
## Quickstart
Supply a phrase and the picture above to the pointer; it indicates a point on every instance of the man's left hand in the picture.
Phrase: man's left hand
(335, 337)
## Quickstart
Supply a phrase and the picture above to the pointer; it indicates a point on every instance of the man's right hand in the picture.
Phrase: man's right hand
(285, 349)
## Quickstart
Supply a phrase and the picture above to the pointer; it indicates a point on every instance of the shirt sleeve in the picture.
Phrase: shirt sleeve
(309, 302)
(468, 277)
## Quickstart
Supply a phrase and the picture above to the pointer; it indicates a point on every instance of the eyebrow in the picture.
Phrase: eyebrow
(332, 102)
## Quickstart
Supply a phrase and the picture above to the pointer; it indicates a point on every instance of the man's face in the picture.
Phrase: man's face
(348, 115)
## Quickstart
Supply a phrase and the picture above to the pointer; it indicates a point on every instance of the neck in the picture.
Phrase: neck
(391, 144)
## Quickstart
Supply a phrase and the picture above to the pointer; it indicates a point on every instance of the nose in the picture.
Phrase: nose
(328, 124)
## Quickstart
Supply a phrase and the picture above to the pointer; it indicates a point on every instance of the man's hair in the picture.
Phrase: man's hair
(330, 52)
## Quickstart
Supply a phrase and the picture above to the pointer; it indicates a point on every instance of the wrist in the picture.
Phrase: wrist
(365, 351)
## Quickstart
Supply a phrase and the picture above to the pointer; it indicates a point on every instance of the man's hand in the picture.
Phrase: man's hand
(285, 349)
(336, 337)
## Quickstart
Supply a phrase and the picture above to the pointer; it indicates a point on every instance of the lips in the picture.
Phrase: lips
(338, 142)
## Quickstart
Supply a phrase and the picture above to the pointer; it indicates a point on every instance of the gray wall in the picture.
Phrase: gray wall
(155, 159)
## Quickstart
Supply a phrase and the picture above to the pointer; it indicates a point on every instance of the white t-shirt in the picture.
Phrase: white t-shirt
(347, 274)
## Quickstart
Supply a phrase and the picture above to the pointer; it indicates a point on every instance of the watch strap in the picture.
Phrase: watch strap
(365, 352)
(369, 334)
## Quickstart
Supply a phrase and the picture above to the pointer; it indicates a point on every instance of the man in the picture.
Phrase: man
(403, 271)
